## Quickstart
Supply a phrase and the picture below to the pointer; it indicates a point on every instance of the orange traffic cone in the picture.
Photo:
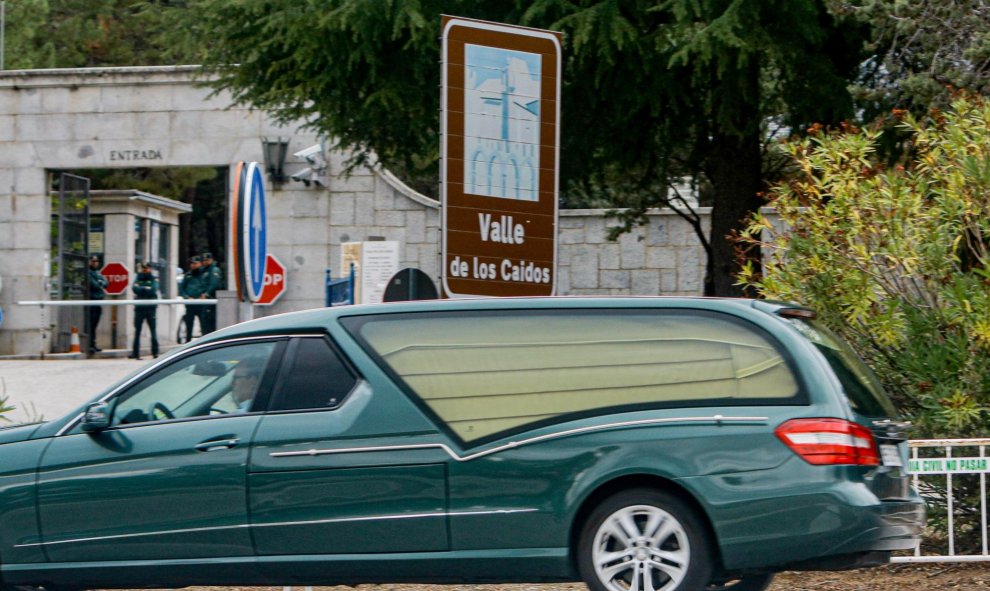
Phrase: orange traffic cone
(74, 341)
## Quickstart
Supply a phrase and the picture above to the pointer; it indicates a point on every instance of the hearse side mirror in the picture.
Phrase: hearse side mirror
(96, 417)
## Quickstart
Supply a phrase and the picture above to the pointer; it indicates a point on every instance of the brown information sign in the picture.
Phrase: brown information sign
(501, 107)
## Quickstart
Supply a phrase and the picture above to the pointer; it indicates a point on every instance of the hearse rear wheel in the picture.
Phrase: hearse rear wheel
(644, 540)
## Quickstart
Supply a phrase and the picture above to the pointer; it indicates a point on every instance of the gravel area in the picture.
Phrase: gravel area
(901, 577)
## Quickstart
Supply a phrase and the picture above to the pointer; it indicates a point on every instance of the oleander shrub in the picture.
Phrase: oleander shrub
(894, 256)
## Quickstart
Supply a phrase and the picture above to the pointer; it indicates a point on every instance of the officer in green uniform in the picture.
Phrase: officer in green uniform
(193, 287)
(97, 291)
(145, 288)
(214, 281)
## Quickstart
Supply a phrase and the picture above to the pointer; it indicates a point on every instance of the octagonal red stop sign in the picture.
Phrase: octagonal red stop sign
(118, 276)
(273, 284)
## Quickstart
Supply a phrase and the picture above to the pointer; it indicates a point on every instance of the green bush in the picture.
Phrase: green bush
(4, 407)
(894, 257)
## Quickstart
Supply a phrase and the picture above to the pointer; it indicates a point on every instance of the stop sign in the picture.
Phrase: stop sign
(273, 283)
(117, 278)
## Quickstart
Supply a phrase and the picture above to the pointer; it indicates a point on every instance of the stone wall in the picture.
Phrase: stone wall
(662, 257)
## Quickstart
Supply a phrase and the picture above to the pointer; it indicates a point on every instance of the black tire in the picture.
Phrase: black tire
(745, 583)
(669, 549)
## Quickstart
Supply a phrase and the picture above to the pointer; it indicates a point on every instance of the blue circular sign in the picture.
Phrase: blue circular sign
(254, 230)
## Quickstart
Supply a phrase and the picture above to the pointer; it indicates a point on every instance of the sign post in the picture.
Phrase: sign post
(499, 159)
(118, 277)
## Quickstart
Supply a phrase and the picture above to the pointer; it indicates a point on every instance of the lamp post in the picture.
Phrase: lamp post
(274, 151)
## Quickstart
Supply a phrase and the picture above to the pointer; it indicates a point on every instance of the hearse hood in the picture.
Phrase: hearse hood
(17, 433)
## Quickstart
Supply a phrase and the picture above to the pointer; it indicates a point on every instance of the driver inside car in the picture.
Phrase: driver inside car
(247, 375)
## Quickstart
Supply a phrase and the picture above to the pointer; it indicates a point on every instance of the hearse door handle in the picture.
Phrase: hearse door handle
(216, 445)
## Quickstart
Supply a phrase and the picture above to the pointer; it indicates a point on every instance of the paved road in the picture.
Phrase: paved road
(51, 388)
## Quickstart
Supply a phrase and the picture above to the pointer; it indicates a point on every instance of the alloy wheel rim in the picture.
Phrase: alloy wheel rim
(641, 548)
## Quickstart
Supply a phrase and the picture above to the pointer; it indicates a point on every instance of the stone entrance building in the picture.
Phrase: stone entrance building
(159, 117)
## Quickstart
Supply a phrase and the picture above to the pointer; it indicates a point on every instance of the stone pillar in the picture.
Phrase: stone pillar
(118, 246)
(227, 308)
(170, 316)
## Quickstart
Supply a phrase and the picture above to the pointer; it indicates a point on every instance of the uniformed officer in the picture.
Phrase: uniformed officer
(145, 288)
(193, 286)
(97, 291)
(213, 279)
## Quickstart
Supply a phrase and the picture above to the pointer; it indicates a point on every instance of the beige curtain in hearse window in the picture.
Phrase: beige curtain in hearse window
(487, 373)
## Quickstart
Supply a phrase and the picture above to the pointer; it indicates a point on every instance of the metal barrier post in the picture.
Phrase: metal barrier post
(948, 494)
(327, 288)
(351, 278)
(983, 502)
(113, 327)
(914, 483)
(41, 328)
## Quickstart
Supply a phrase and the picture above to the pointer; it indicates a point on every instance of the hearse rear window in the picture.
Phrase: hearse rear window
(483, 373)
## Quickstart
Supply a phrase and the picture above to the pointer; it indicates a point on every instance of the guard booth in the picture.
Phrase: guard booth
(129, 227)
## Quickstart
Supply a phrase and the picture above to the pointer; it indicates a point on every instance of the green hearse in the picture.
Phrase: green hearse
(639, 444)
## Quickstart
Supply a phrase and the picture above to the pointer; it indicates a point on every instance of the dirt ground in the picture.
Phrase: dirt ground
(901, 577)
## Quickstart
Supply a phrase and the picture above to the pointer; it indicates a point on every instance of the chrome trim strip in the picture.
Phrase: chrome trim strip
(134, 535)
(168, 359)
(285, 524)
(513, 444)
(391, 517)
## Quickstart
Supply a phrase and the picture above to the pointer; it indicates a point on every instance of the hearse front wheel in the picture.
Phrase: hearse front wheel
(644, 540)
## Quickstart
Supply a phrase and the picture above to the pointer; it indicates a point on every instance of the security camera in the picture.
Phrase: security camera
(310, 153)
(317, 168)
(304, 175)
